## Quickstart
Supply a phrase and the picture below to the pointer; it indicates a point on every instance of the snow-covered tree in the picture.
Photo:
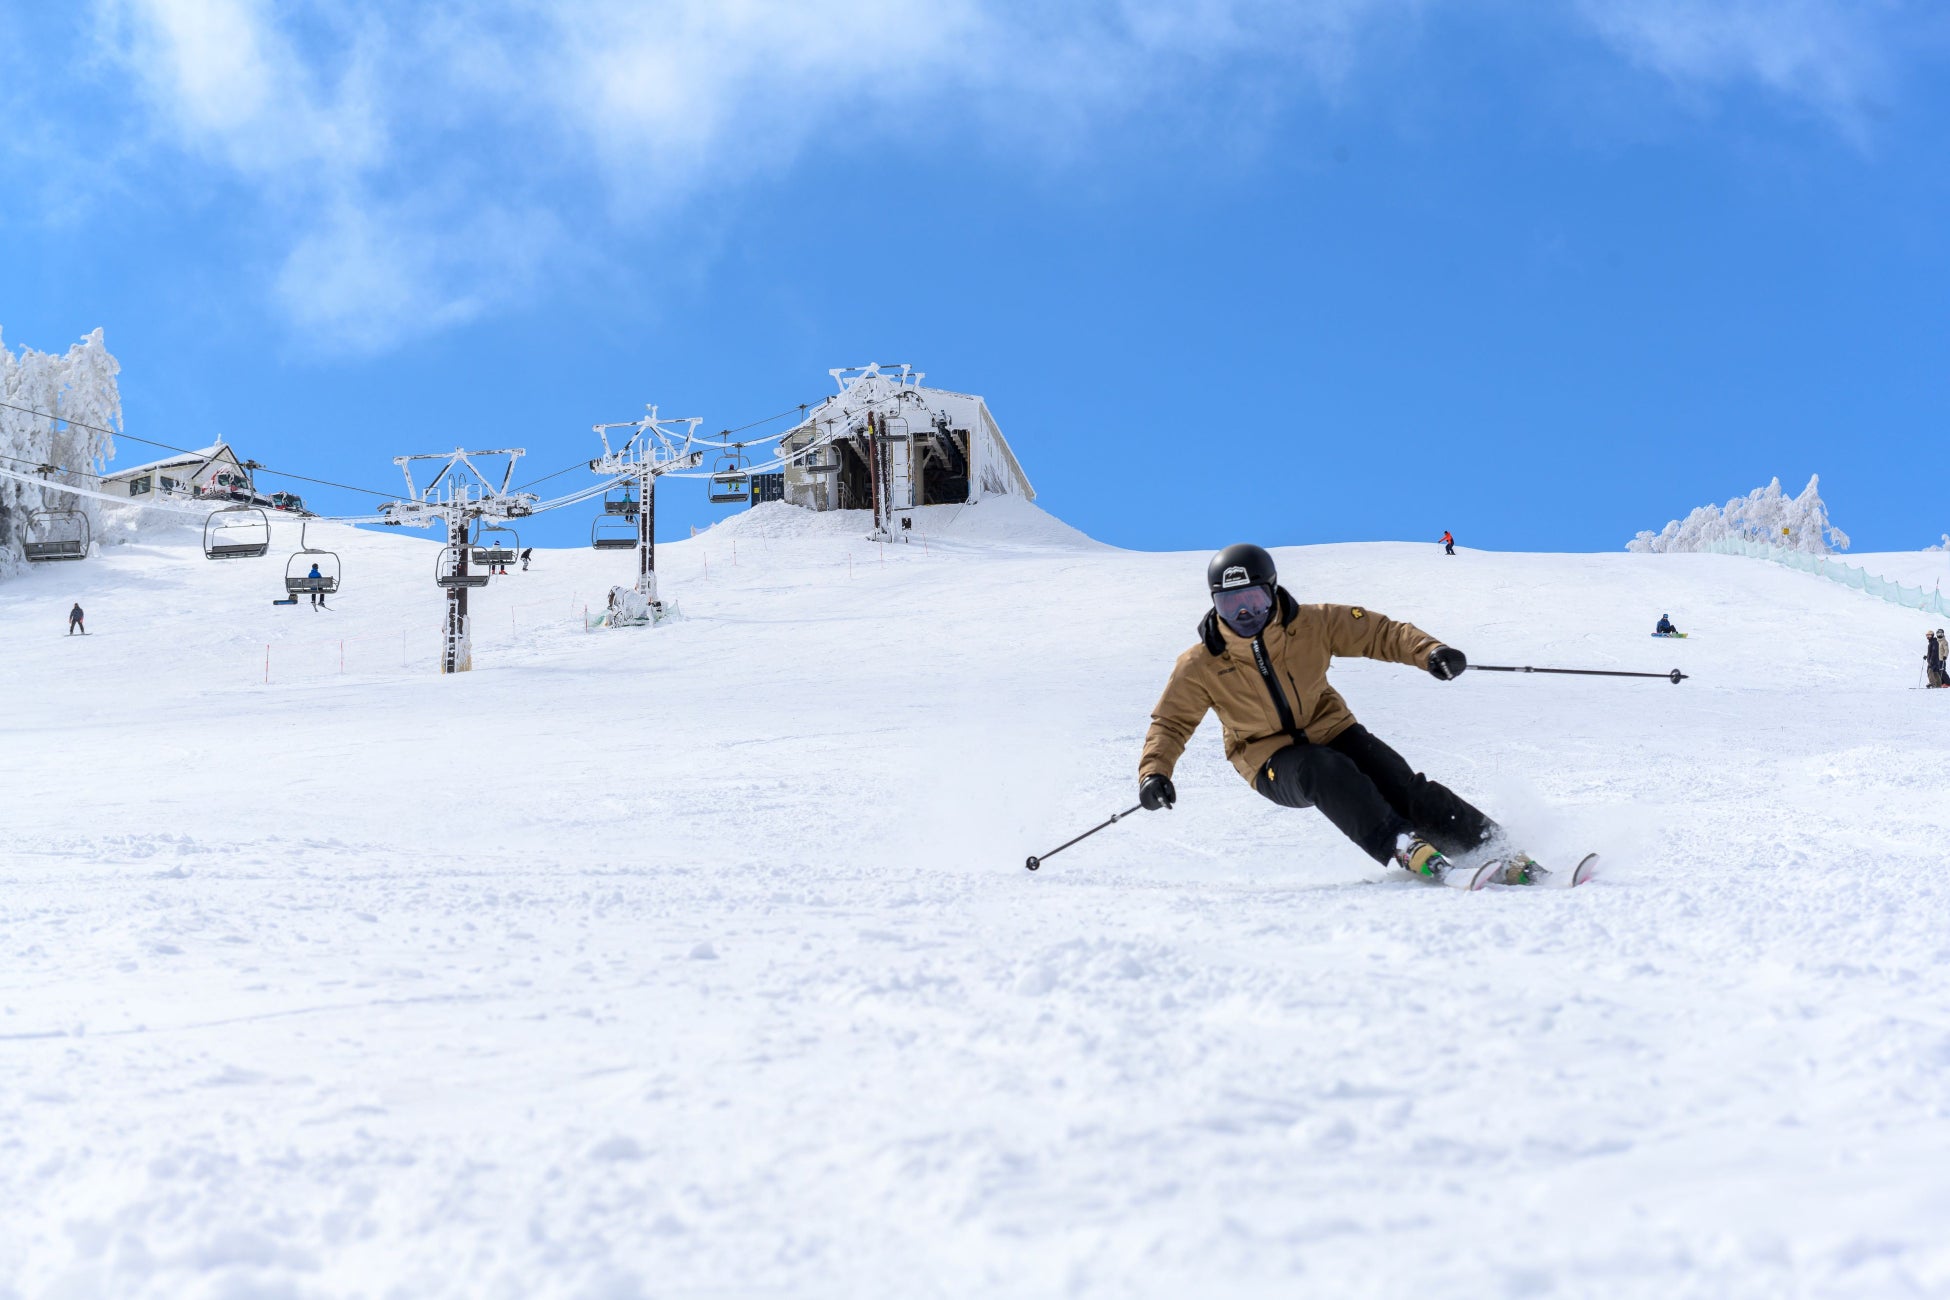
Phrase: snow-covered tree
(1764, 515)
(49, 400)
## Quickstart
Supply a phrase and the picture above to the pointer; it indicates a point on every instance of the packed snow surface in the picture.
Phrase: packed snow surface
(701, 961)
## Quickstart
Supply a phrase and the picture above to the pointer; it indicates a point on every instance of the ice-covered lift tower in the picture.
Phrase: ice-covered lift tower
(886, 443)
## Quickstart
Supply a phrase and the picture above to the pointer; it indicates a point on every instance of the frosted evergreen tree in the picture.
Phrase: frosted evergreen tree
(50, 400)
(1764, 515)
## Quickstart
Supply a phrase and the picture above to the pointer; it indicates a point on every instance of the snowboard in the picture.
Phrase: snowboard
(1672, 636)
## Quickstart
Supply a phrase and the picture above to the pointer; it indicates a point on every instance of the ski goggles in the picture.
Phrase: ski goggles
(1244, 609)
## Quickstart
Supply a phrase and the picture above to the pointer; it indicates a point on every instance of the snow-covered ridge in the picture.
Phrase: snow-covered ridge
(1004, 520)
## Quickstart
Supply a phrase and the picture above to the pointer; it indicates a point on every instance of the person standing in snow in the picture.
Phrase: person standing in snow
(524, 557)
(1261, 665)
(74, 620)
(1448, 542)
(1933, 656)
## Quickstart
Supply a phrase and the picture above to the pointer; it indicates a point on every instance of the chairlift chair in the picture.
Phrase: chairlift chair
(610, 533)
(731, 479)
(496, 553)
(296, 578)
(445, 572)
(621, 501)
(57, 535)
(245, 536)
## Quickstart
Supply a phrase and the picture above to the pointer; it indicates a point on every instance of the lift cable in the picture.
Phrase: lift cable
(193, 451)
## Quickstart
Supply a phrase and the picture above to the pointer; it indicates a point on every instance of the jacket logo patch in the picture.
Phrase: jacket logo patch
(1359, 612)
(1223, 671)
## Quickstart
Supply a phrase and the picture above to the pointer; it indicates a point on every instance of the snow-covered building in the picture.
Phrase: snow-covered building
(886, 443)
(213, 471)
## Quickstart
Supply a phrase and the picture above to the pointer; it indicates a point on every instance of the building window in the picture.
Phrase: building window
(140, 486)
(171, 485)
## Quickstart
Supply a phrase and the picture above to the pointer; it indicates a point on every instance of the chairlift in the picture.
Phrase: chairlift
(611, 533)
(57, 535)
(446, 571)
(244, 535)
(622, 501)
(494, 552)
(731, 479)
(298, 579)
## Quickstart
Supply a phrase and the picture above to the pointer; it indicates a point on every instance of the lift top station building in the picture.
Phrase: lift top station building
(189, 473)
(886, 443)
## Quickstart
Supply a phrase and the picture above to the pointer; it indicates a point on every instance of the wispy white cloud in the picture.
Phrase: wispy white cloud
(223, 79)
(1833, 56)
(411, 157)
(348, 116)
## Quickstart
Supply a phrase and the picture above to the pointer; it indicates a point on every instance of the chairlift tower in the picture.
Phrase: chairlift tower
(886, 392)
(656, 447)
(459, 493)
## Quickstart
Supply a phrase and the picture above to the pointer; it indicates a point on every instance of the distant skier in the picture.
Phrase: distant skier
(317, 588)
(1665, 627)
(1448, 542)
(1934, 655)
(525, 552)
(74, 620)
(1261, 665)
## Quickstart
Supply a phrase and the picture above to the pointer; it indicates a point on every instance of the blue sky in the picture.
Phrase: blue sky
(1540, 274)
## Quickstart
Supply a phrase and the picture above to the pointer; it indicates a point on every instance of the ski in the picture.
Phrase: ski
(1490, 873)
(1462, 877)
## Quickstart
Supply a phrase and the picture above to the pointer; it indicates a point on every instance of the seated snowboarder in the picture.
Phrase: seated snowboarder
(317, 589)
(1261, 665)
(1665, 627)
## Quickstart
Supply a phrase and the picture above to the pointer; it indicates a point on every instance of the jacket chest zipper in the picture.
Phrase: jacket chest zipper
(1264, 663)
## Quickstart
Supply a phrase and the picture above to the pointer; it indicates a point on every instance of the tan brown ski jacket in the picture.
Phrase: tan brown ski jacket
(1264, 712)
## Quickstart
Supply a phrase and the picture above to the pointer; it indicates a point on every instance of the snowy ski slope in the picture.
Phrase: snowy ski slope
(700, 961)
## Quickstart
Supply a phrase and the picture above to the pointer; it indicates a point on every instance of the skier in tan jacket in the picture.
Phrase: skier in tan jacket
(1261, 665)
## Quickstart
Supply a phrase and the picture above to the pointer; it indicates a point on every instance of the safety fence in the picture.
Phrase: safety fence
(407, 647)
(1827, 566)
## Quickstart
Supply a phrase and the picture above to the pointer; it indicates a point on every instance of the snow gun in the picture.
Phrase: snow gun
(1675, 676)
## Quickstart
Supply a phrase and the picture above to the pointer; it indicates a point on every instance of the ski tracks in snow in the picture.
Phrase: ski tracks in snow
(702, 961)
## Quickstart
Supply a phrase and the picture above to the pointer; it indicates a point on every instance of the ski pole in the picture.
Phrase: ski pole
(1675, 676)
(1035, 862)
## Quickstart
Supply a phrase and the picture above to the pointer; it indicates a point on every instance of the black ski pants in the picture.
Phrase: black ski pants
(1367, 790)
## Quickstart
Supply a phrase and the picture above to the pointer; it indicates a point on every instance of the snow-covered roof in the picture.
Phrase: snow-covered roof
(204, 457)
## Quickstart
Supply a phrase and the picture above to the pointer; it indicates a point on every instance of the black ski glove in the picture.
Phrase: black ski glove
(1156, 792)
(1447, 663)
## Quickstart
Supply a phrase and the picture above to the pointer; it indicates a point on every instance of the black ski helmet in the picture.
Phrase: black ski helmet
(1241, 565)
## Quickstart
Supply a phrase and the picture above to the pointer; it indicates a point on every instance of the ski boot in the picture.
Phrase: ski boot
(1519, 869)
(1419, 857)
